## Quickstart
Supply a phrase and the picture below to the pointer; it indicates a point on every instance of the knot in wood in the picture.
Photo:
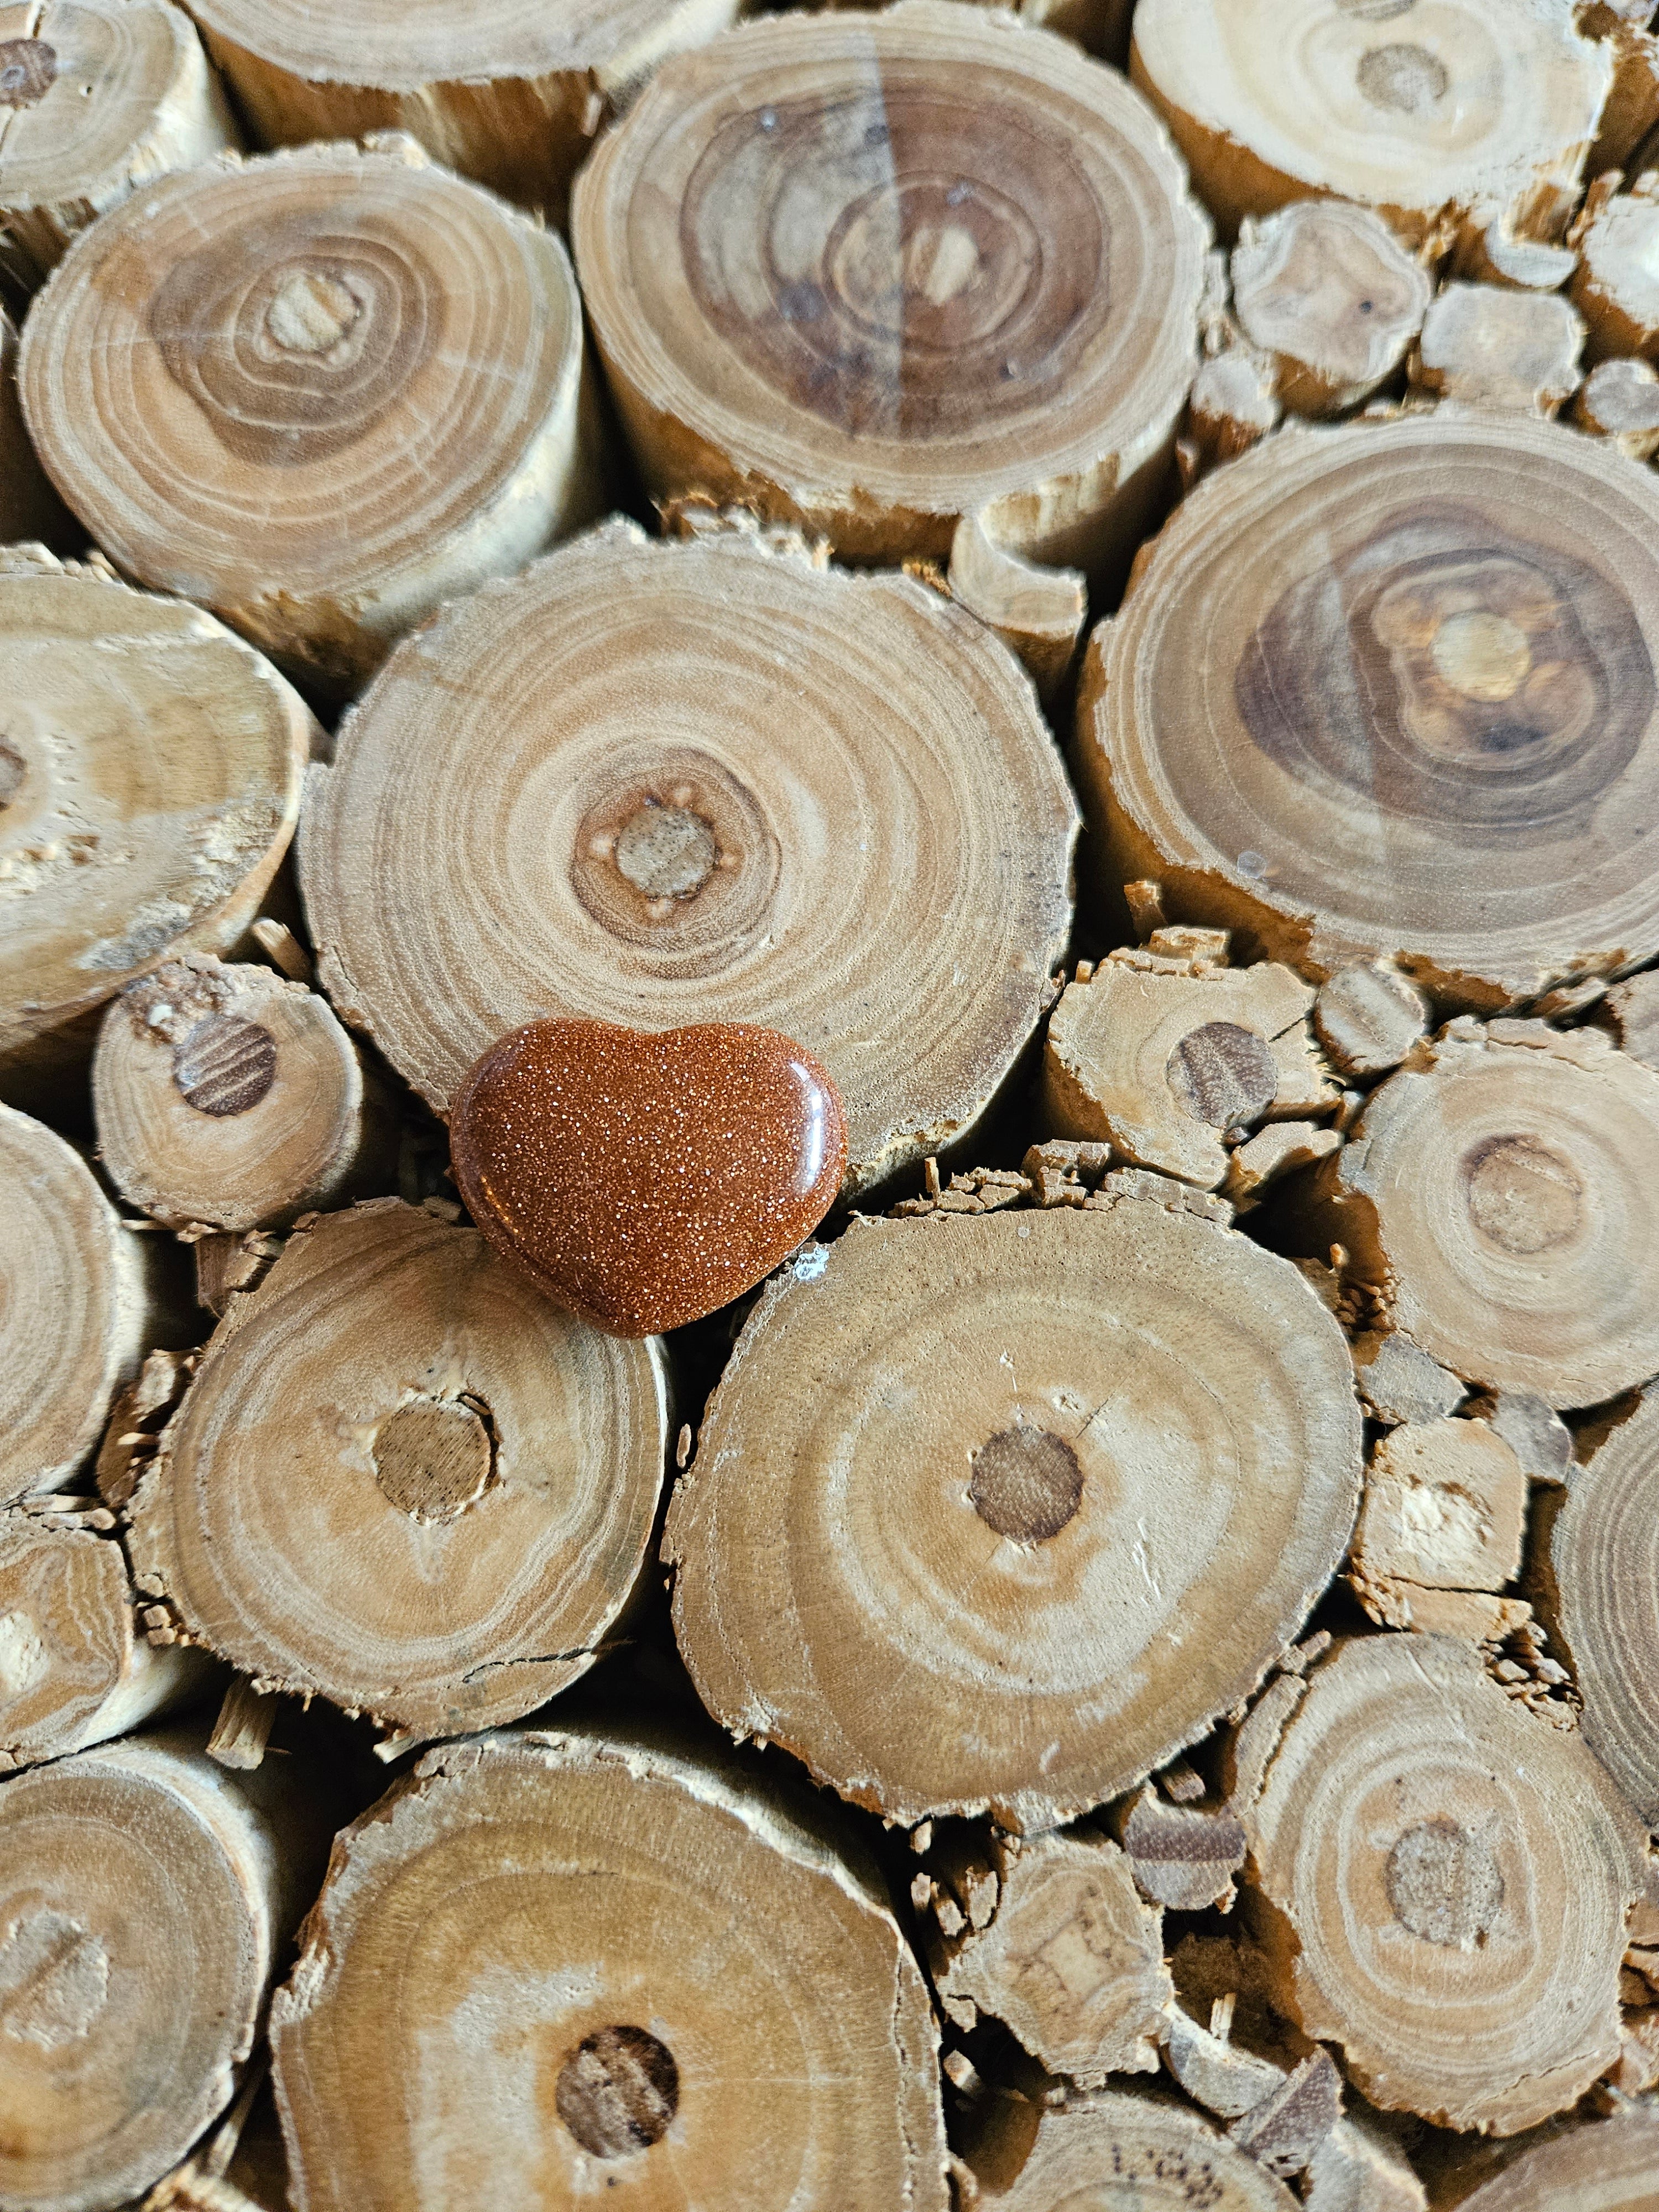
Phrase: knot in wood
(54, 1979)
(1027, 1484)
(224, 1065)
(618, 2092)
(1523, 1195)
(1484, 655)
(667, 852)
(434, 1457)
(1223, 1074)
(1444, 1884)
(28, 69)
(310, 313)
(1405, 79)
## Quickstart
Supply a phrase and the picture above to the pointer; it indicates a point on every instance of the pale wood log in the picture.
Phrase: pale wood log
(1327, 290)
(1386, 692)
(1444, 1883)
(145, 1901)
(242, 1730)
(150, 767)
(847, 269)
(1151, 2152)
(584, 2035)
(1603, 1556)
(72, 1672)
(404, 1481)
(79, 1305)
(98, 98)
(883, 873)
(1038, 612)
(1163, 1066)
(1445, 1506)
(1599, 2166)
(1499, 1194)
(1070, 1961)
(1399, 1380)
(226, 1097)
(1369, 1017)
(1616, 286)
(943, 1451)
(330, 336)
(1620, 400)
(1446, 108)
(30, 510)
(510, 92)
(1514, 351)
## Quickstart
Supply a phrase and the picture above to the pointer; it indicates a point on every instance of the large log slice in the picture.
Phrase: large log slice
(1604, 1554)
(701, 782)
(150, 767)
(508, 91)
(1502, 1196)
(876, 274)
(997, 1513)
(559, 1968)
(1388, 690)
(1445, 1881)
(402, 1481)
(78, 1307)
(319, 392)
(98, 98)
(1478, 110)
(145, 1901)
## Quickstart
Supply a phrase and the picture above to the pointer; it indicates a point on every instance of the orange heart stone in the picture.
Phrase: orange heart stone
(644, 1178)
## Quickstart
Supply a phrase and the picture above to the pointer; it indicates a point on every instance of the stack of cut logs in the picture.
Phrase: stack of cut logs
(1128, 1675)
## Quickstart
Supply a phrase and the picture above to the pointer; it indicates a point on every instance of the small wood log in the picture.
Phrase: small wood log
(1163, 1066)
(29, 508)
(1514, 351)
(1399, 1380)
(402, 1481)
(79, 1303)
(1448, 1882)
(882, 873)
(1327, 289)
(1369, 1017)
(581, 2016)
(1152, 2152)
(150, 767)
(1038, 612)
(100, 98)
(1631, 107)
(1532, 1429)
(1072, 1961)
(1607, 2164)
(1484, 112)
(1371, 690)
(847, 269)
(1445, 1506)
(1139, 1400)
(1498, 257)
(1620, 400)
(333, 331)
(145, 1899)
(227, 1098)
(72, 1674)
(1603, 1556)
(1501, 1196)
(510, 94)
(1616, 287)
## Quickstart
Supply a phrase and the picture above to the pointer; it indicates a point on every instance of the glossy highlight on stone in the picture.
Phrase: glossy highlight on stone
(644, 1179)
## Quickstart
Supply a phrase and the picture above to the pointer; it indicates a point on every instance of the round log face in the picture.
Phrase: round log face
(886, 269)
(405, 1481)
(1605, 1551)
(317, 392)
(65, 1634)
(555, 1968)
(1112, 2150)
(1453, 1878)
(134, 1946)
(890, 834)
(1001, 1513)
(149, 782)
(1391, 691)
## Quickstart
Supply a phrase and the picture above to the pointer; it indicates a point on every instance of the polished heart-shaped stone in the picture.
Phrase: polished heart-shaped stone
(644, 1178)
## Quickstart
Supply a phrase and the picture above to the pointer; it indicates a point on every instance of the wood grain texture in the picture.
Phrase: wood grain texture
(319, 392)
(1388, 692)
(145, 1899)
(859, 831)
(510, 92)
(149, 771)
(1159, 2156)
(98, 98)
(1447, 1881)
(1478, 109)
(606, 1970)
(1327, 290)
(872, 273)
(404, 1481)
(228, 1097)
(1615, 286)
(1001, 1512)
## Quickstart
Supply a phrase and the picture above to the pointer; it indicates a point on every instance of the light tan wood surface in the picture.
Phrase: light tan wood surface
(1327, 289)
(1161, 2156)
